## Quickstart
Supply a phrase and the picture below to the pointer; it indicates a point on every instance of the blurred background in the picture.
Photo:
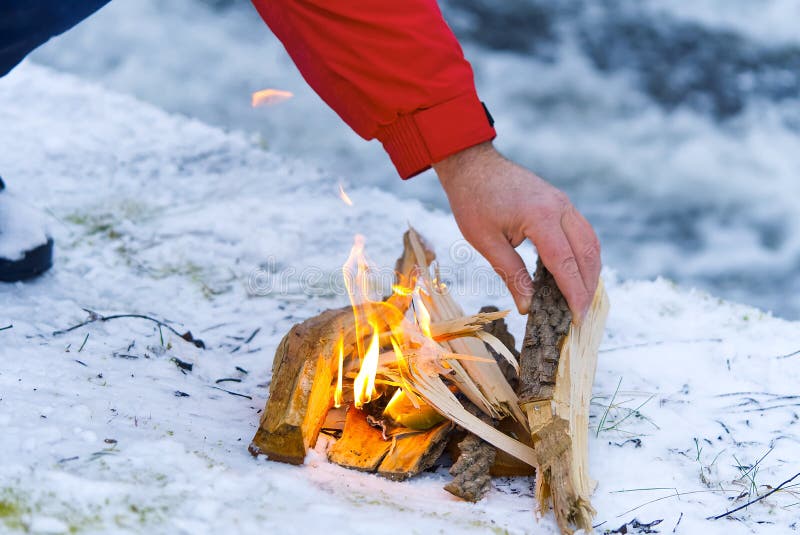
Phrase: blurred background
(673, 125)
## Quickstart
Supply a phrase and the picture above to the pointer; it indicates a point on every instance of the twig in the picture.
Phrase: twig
(232, 393)
(789, 355)
(678, 523)
(756, 499)
(7, 327)
(95, 317)
(84, 342)
(250, 338)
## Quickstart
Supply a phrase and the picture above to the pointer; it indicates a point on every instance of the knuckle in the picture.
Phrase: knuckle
(569, 267)
(591, 252)
(562, 201)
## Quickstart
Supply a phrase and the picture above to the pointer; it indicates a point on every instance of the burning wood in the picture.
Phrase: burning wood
(398, 368)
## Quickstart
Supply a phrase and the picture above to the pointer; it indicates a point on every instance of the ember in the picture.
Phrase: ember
(405, 370)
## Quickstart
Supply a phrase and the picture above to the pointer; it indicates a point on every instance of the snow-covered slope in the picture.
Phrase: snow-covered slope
(101, 430)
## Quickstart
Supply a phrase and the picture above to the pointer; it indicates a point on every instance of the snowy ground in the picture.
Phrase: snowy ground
(160, 215)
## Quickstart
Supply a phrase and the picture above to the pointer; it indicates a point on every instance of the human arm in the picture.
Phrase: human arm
(395, 72)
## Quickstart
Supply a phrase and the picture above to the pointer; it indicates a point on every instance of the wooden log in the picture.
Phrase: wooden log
(300, 393)
(557, 367)
(412, 453)
(363, 447)
(471, 471)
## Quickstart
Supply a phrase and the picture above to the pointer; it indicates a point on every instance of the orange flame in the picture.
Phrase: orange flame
(371, 315)
(268, 97)
(399, 289)
(423, 316)
(344, 196)
(364, 383)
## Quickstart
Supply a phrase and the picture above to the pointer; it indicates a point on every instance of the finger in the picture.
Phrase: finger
(558, 257)
(509, 265)
(585, 247)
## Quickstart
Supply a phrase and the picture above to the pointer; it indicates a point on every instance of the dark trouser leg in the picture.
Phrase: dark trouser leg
(26, 24)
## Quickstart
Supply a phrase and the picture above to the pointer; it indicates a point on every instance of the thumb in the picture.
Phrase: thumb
(509, 266)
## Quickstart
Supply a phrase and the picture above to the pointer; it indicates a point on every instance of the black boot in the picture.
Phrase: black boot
(26, 249)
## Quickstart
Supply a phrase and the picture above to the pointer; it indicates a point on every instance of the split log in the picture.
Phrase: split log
(363, 447)
(415, 452)
(475, 459)
(300, 394)
(557, 367)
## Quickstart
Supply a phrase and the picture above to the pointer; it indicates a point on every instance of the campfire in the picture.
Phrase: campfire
(396, 381)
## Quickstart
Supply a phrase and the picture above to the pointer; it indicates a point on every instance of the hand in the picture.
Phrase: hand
(497, 204)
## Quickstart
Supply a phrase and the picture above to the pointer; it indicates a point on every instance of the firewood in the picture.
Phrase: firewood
(414, 452)
(475, 459)
(300, 393)
(483, 383)
(506, 465)
(443, 330)
(471, 471)
(557, 367)
(363, 447)
(499, 329)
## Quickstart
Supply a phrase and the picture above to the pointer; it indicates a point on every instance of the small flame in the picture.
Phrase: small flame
(268, 97)
(364, 383)
(399, 289)
(344, 196)
(423, 316)
(398, 395)
(337, 395)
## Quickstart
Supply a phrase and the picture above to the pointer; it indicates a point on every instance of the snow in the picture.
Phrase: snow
(165, 216)
(21, 227)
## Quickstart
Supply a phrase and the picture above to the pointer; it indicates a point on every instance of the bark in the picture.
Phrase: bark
(471, 471)
(548, 323)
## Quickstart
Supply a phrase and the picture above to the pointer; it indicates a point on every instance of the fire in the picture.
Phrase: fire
(378, 324)
(268, 97)
(344, 196)
(364, 383)
(402, 290)
(423, 316)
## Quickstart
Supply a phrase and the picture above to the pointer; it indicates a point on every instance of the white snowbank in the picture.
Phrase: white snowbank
(156, 214)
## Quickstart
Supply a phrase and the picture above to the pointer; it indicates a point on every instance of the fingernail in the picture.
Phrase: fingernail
(523, 303)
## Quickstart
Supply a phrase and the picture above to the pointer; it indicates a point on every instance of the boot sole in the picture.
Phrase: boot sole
(34, 263)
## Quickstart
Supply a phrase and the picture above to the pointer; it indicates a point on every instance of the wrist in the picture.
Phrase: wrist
(467, 160)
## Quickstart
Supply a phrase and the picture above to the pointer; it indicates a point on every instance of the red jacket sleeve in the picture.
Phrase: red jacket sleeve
(392, 70)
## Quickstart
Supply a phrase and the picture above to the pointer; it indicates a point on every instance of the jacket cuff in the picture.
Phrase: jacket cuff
(417, 140)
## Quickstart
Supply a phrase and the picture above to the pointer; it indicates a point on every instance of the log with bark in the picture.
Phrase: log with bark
(557, 367)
